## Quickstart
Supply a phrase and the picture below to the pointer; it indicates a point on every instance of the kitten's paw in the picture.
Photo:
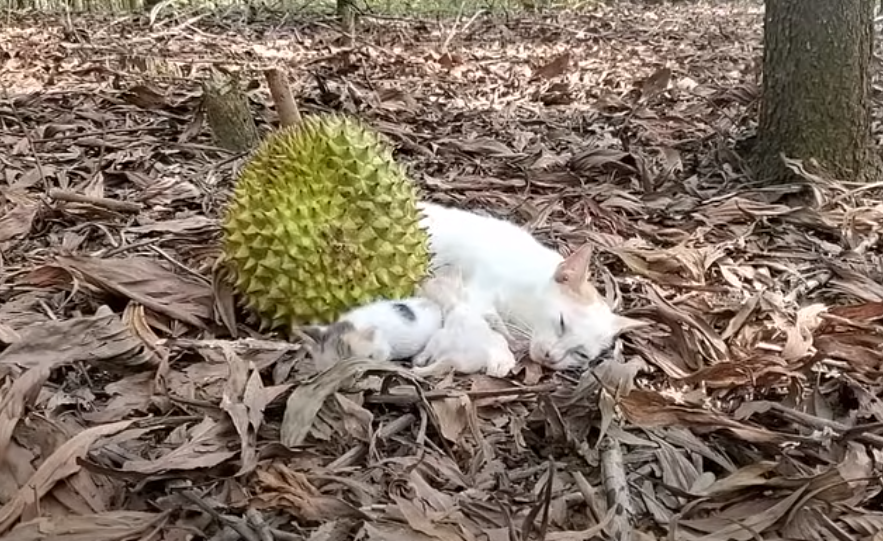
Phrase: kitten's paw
(434, 368)
(421, 359)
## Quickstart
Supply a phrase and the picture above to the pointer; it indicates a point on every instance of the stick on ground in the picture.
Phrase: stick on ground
(289, 115)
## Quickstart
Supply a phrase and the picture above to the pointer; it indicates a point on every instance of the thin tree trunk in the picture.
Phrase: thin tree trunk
(347, 20)
(816, 87)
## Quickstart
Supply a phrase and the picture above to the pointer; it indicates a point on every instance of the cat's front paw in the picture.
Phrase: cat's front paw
(500, 366)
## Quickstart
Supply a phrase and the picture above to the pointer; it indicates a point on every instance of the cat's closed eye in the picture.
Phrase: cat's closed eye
(581, 354)
(561, 327)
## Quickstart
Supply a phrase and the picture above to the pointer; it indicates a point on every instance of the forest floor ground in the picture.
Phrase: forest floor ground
(748, 408)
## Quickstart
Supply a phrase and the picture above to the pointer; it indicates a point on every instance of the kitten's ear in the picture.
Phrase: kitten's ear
(368, 334)
(573, 274)
(312, 333)
(624, 324)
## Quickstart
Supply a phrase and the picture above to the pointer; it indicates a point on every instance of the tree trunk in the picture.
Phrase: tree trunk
(816, 87)
(228, 114)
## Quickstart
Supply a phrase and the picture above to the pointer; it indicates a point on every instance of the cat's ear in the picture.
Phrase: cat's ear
(624, 324)
(573, 274)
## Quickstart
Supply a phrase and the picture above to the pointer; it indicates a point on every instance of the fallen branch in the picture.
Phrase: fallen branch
(103, 202)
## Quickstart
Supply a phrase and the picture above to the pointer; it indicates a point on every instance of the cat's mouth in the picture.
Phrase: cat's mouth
(575, 364)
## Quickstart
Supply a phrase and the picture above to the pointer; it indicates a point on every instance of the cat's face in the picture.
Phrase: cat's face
(575, 326)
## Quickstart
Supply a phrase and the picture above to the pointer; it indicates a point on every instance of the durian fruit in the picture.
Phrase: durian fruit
(323, 219)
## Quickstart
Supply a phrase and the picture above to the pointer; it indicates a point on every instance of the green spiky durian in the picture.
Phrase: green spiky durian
(323, 219)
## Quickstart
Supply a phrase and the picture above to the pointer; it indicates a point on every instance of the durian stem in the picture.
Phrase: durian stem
(228, 115)
(289, 115)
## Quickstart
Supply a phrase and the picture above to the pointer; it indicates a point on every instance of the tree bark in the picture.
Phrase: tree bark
(816, 87)
(228, 114)
(347, 15)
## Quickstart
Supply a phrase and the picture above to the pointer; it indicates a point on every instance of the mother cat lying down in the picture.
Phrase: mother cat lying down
(534, 289)
(491, 277)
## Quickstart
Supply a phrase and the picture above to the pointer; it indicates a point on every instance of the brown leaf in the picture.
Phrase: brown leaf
(650, 409)
(484, 146)
(59, 465)
(765, 513)
(107, 526)
(146, 282)
(129, 394)
(553, 68)
(307, 399)
(97, 339)
(235, 385)
(20, 395)
(594, 158)
(146, 97)
(283, 488)
(204, 448)
(419, 521)
(17, 215)
(394, 532)
(655, 83)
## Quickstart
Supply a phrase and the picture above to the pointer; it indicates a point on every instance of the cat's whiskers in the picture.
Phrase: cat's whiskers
(517, 331)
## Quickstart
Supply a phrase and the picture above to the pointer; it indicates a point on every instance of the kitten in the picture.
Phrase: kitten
(382, 330)
(533, 288)
(467, 342)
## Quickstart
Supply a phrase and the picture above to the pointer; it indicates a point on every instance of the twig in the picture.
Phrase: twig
(180, 265)
(453, 31)
(589, 495)
(239, 525)
(818, 423)
(27, 134)
(103, 202)
(447, 42)
(73, 136)
(246, 343)
(406, 399)
(616, 485)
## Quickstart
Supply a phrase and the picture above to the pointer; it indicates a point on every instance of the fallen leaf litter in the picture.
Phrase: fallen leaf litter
(748, 409)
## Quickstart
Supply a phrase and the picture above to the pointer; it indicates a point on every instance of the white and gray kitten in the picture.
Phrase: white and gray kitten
(383, 330)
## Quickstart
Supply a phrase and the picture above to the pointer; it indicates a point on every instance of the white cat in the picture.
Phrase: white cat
(467, 342)
(382, 330)
(533, 288)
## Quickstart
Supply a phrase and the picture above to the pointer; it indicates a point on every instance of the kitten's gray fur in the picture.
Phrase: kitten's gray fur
(405, 311)
(334, 338)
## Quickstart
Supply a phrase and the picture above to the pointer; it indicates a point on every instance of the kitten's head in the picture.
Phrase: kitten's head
(341, 340)
(575, 326)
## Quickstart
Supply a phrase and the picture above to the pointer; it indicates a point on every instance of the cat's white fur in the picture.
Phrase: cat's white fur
(467, 342)
(377, 330)
(533, 288)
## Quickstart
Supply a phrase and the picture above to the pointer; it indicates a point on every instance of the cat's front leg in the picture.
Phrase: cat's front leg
(495, 322)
